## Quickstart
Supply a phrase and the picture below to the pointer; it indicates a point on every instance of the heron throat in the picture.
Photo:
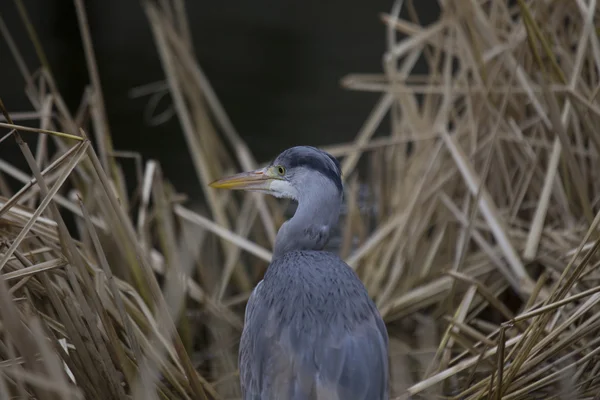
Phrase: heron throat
(310, 228)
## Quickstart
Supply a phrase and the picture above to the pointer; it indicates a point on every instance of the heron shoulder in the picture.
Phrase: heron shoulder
(311, 320)
(308, 284)
(317, 267)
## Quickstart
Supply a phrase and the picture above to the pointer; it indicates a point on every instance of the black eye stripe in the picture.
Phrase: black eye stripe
(320, 165)
(312, 158)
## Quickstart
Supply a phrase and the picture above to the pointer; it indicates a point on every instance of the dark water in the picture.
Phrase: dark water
(276, 66)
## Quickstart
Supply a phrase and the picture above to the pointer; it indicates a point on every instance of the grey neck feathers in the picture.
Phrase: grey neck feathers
(317, 214)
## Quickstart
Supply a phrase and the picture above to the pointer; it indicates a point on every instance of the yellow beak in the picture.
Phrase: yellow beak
(259, 179)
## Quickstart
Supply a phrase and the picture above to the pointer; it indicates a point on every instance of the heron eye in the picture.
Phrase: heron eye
(281, 170)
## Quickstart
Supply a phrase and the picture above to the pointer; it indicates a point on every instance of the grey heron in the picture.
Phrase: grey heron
(311, 331)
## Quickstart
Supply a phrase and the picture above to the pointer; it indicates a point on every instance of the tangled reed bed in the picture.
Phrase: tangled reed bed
(479, 245)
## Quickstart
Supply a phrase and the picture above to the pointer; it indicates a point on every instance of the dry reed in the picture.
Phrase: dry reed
(477, 236)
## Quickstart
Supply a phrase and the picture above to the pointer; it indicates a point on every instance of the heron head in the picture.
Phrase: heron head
(289, 175)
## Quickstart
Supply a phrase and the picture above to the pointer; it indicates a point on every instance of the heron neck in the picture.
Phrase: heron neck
(310, 227)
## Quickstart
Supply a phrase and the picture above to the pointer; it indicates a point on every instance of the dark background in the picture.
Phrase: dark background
(275, 65)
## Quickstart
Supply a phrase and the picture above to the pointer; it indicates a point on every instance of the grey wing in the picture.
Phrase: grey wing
(249, 377)
(324, 361)
(353, 364)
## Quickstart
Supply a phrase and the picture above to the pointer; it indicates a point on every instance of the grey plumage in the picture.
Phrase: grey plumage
(311, 331)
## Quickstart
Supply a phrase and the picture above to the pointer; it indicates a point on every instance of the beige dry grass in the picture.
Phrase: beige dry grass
(478, 245)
